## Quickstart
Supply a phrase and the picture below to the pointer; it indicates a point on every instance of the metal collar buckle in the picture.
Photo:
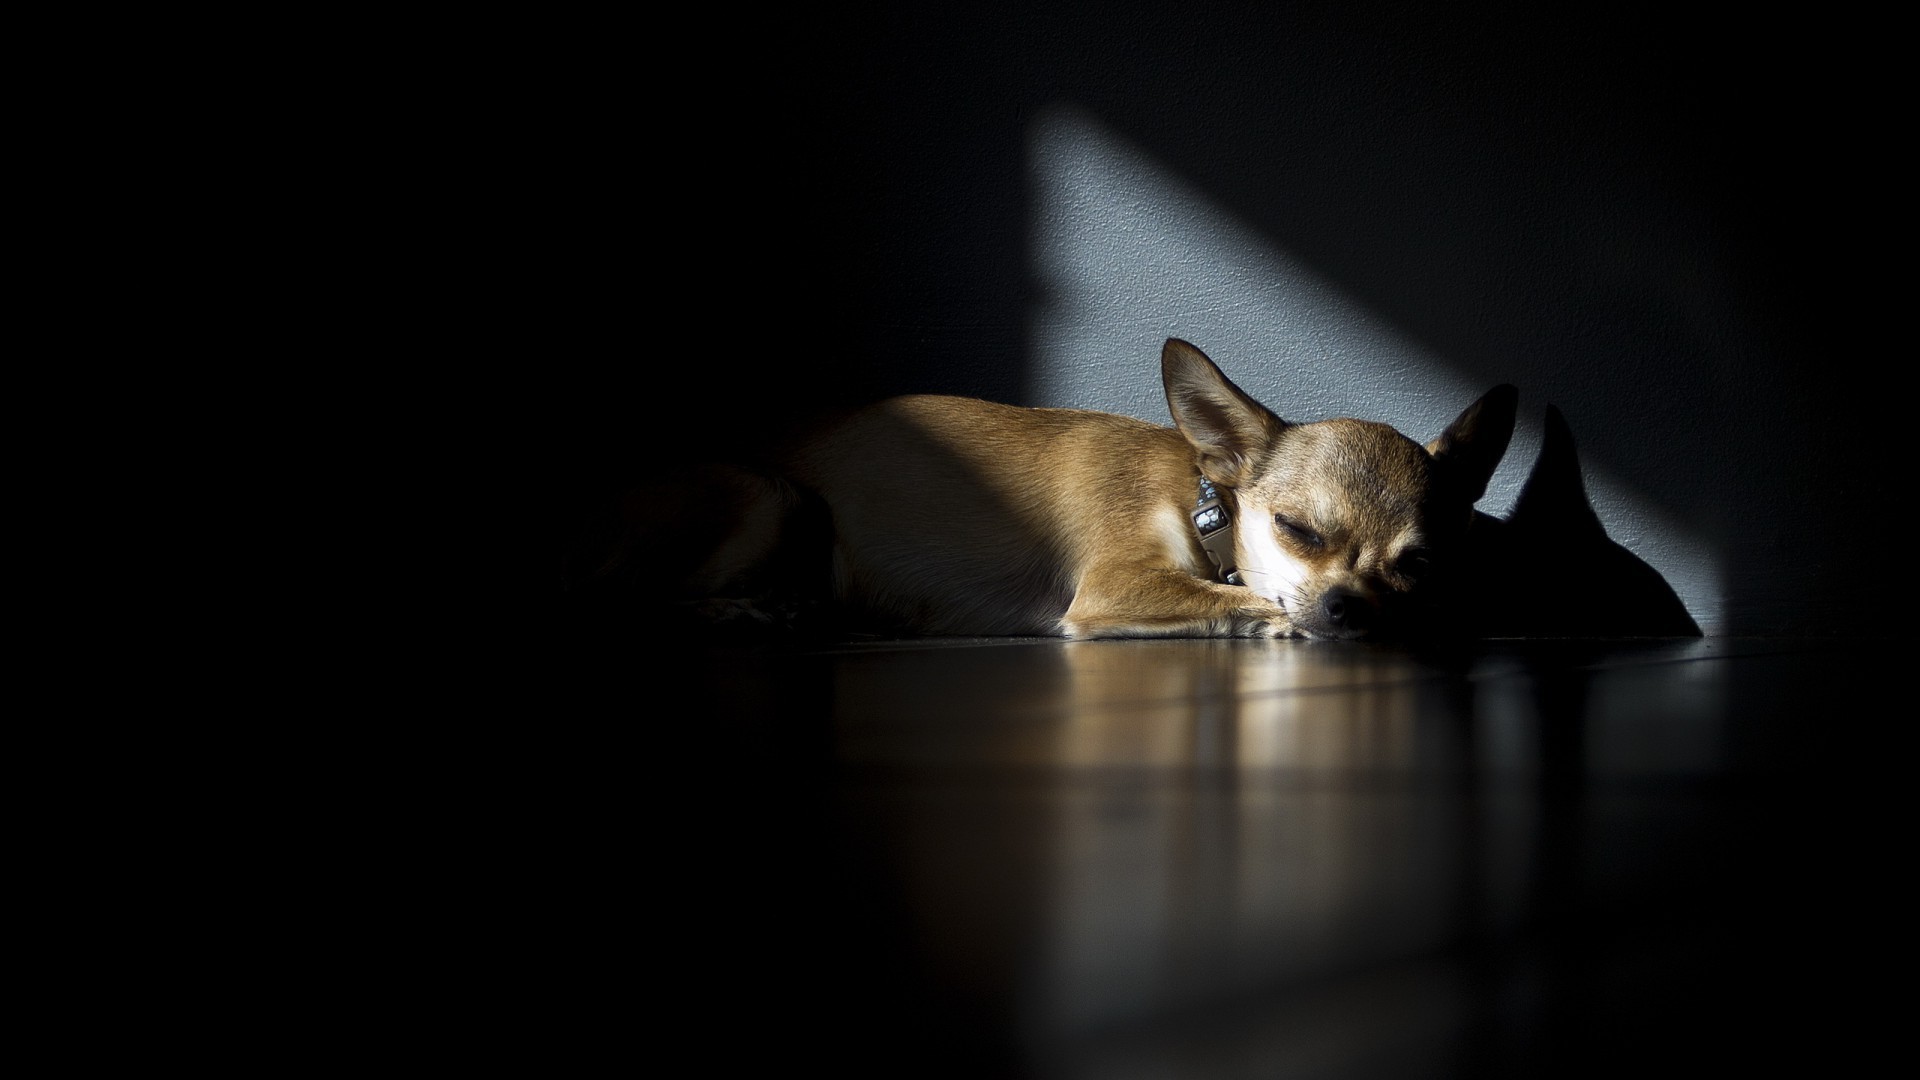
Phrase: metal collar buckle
(1214, 522)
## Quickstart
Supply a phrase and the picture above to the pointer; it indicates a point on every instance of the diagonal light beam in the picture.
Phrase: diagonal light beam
(1126, 254)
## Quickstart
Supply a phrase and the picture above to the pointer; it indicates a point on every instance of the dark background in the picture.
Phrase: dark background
(632, 242)
(663, 236)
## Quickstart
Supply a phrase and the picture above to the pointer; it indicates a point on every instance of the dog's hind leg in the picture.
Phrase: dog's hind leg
(741, 520)
(713, 545)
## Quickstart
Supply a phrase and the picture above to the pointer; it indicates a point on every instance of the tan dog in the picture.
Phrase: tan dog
(954, 516)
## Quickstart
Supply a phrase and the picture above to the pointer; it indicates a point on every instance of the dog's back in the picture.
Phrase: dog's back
(959, 516)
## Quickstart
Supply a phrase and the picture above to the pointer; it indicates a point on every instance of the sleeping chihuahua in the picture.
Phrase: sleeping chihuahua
(955, 516)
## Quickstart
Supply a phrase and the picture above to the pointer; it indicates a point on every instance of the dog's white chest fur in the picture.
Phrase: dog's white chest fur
(1266, 569)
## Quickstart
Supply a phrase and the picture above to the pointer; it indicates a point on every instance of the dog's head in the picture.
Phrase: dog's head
(1350, 525)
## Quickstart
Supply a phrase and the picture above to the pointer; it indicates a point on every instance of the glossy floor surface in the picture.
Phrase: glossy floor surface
(1172, 859)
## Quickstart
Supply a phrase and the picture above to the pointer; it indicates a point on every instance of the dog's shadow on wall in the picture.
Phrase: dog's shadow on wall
(1549, 569)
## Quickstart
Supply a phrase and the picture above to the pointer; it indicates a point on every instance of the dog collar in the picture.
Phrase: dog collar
(1214, 522)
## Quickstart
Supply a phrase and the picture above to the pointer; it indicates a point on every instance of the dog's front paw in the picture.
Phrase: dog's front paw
(1265, 621)
(1283, 628)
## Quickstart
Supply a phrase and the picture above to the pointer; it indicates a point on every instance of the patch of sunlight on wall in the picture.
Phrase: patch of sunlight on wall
(1126, 255)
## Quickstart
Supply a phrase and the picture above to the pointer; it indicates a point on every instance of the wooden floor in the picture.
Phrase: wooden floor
(1174, 859)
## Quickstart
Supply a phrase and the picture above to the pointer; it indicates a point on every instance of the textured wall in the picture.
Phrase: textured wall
(1126, 253)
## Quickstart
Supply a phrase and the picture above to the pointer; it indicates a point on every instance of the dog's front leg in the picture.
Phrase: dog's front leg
(1132, 601)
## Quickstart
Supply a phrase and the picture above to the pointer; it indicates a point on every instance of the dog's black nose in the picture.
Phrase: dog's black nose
(1347, 610)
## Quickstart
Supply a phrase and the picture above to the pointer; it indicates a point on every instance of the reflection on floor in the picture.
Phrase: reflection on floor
(1208, 858)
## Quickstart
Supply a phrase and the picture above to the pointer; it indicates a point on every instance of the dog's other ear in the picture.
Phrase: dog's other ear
(1226, 427)
(1472, 446)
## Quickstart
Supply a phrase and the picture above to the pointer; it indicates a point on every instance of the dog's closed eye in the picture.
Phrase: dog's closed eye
(1413, 564)
(1298, 532)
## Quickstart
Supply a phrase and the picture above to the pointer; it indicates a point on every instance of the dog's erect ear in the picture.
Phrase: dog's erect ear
(1225, 426)
(1472, 446)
